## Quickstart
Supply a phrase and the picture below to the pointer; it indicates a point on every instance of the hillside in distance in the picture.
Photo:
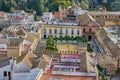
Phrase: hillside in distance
(41, 6)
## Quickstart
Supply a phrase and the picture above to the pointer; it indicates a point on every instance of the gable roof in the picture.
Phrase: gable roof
(30, 36)
(86, 19)
(42, 62)
(20, 32)
(114, 49)
(27, 59)
(104, 13)
(46, 58)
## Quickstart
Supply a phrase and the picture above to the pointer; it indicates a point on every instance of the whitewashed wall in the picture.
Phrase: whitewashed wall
(21, 67)
(75, 32)
(6, 68)
(32, 75)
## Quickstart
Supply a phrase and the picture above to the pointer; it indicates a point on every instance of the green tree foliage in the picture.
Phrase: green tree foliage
(67, 38)
(41, 6)
(54, 6)
(51, 45)
(85, 5)
(89, 48)
(100, 73)
(99, 67)
(115, 5)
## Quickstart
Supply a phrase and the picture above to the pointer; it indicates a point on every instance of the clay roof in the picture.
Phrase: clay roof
(113, 48)
(46, 58)
(86, 19)
(108, 62)
(104, 13)
(30, 36)
(27, 59)
(49, 76)
(42, 62)
(2, 14)
(20, 32)
(103, 20)
(18, 18)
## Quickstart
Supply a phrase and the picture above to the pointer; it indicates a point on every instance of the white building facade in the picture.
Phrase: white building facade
(47, 16)
(5, 69)
(61, 31)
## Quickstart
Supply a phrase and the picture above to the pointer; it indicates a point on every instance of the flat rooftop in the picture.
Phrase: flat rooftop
(49, 76)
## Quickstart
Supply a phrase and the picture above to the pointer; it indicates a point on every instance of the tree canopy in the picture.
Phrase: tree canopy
(51, 45)
(41, 6)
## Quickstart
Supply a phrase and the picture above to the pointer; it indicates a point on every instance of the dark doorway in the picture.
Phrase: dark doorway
(89, 38)
(45, 36)
(9, 75)
(84, 30)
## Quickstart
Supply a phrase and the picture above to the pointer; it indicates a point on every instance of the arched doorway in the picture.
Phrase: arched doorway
(89, 38)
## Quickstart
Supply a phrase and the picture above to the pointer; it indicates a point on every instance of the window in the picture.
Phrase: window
(55, 31)
(84, 30)
(61, 36)
(50, 31)
(78, 32)
(66, 31)
(105, 16)
(9, 74)
(72, 31)
(97, 16)
(44, 30)
(90, 30)
(5, 73)
(118, 35)
(60, 30)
